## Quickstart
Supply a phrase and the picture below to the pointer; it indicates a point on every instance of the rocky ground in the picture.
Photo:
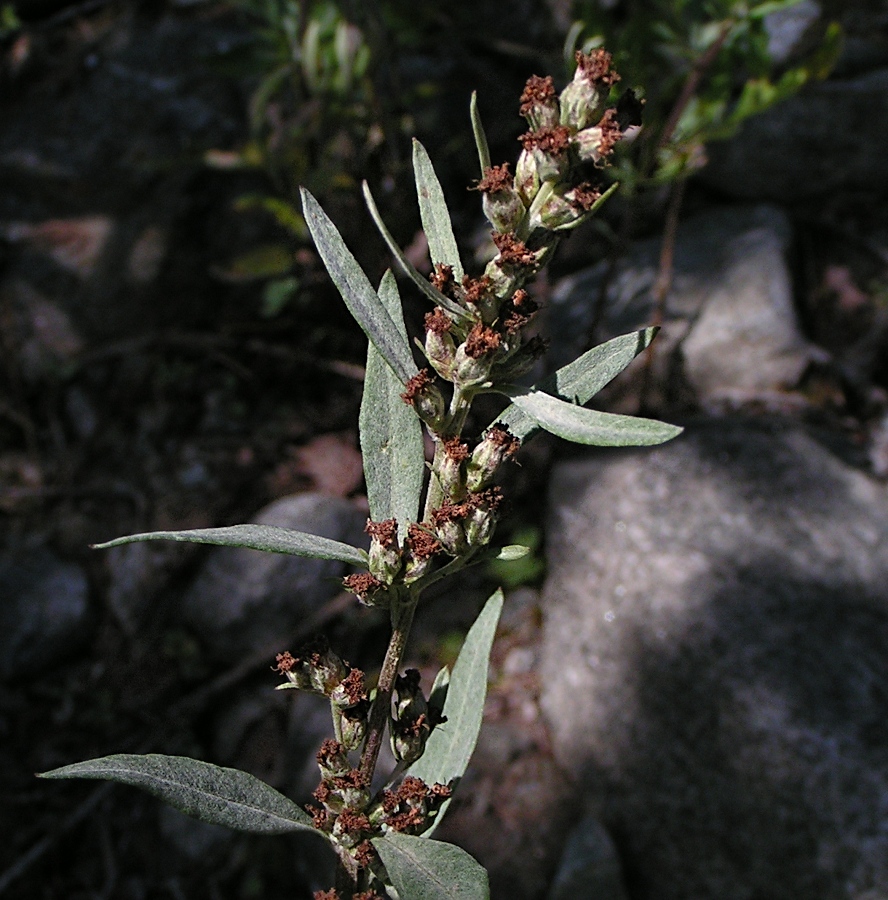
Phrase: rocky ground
(689, 705)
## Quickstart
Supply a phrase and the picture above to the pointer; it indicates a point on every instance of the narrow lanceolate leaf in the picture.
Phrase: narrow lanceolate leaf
(451, 744)
(407, 267)
(434, 213)
(421, 869)
(356, 290)
(589, 426)
(480, 136)
(391, 433)
(211, 793)
(270, 538)
(579, 381)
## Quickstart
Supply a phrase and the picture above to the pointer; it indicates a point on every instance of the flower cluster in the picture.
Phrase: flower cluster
(476, 339)
(318, 670)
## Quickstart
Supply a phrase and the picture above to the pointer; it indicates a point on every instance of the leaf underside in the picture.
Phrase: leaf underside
(211, 793)
(582, 379)
(421, 869)
(270, 538)
(434, 213)
(357, 292)
(589, 426)
(391, 433)
(450, 745)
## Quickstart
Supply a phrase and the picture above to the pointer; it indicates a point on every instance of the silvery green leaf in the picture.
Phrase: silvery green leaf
(509, 553)
(270, 538)
(580, 380)
(421, 869)
(480, 136)
(451, 744)
(408, 268)
(207, 792)
(589, 426)
(434, 213)
(391, 433)
(356, 290)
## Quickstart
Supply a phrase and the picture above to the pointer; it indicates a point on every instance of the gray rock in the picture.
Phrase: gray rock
(44, 612)
(243, 600)
(730, 323)
(714, 662)
(789, 30)
(590, 867)
(828, 138)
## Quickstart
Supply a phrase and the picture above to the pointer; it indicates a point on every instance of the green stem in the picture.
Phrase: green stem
(403, 608)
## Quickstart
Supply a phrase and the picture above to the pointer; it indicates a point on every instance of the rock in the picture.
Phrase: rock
(824, 140)
(714, 662)
(243, 600)
(136, 572)
(729, 324)
(44, 612)
(790, 30)
(590, 867)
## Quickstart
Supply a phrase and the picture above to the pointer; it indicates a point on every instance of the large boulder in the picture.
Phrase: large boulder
(244, 600)
(730, 329)
(715, 661)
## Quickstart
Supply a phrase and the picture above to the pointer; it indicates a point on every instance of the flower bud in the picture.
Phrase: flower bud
(470, 370)
(539, 104)
(481, 520)
(422, 547)
(583, 100)
(439, 348)
(425, 397)
(385, 552)
(527, 177)
(410, 727)
(353, 725)
(596, 143)
(450, 469)
(332, 760)
(326, 671)
(549, 147)
(350, 691)
(499, 444)
(369, 589)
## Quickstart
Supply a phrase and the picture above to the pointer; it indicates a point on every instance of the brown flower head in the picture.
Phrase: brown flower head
(385, 532)
(285, 663)
(438, 322)
(332, 894)
(513, 252)
(496, 179)
(537, 91)
(596, 67)
(456, 449)
(442, 279)
(422, 544)
(551, 141)
(610, 131)
(475, 289)
(362, 584)
(481, 340)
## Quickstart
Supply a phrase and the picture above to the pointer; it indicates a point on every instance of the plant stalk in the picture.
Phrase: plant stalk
(403, 609)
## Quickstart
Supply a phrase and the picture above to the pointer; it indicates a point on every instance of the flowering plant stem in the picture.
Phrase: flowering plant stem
(477, 340)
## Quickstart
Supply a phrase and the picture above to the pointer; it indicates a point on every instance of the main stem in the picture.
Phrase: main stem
(403, 607)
